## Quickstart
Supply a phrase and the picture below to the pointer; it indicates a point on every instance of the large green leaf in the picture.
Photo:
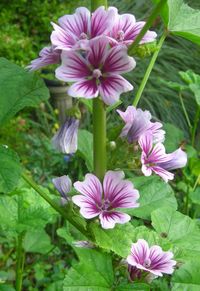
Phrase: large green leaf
(18, 88)
(180, 229)
(93, 272)
(134, 286)
(85, 147)
(187, 278)
(120, 238)
(173, 138)
(193, 81)
(37, 241)
(154, 193)
(10, 169)
(180, 19)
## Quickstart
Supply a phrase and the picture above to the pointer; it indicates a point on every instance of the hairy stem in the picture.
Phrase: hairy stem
(184, 110)
(148, 24)
(59, 209)
(20, 262)
(99, 138)
(148, 71)
(196, 121)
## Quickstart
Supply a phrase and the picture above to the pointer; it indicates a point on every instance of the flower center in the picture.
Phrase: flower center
(96, 73)
(106, 205)
(83, 35)
(147, 263)
(120, 35)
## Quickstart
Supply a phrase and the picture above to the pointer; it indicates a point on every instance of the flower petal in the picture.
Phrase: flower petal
(109, 219)
(74, 67)
(63, 184)
(85, 88)
(139, 253)
(148, 37)
(120, 193)
(98, 50)
(118, 61)
(61, 39)
(47, 56)
(111, 87)
(77, 23)
(88, 208)
(91, 188)
(146, 144)
(164, 174)
(101, 21)
(177, 159)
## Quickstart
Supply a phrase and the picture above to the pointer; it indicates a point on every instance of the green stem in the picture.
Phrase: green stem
(196, 120)
(99, 138)
(184, 110)
(20, 262)
(148, 24)
(196, 183)
(148, 71)
(59, 209)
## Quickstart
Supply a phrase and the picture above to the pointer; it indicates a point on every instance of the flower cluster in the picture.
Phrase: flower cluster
(92, 50)
(139, 128)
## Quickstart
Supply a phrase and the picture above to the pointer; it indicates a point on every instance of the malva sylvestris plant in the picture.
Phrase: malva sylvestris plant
(92, 54)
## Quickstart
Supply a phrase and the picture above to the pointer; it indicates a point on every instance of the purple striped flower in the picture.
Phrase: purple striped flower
(126, 29)
(66, 139)
(63, 184)
(98, 73)
(74, 31)
(104, 200)
(137, 122)
(151, 259)
(47, 56)
(154, 159)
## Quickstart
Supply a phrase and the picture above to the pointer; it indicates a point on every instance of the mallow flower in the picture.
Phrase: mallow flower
(97, 72)
(138, 122)
(154, 158)
(47, 56)
(104, 199)
(150, 259)
(66, 138)
(74, 31)
(63, 184)
(125, 29)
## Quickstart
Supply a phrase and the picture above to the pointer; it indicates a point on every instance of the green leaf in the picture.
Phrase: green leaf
(134, 286)
(187, 278)
(173, 138)
(154, 193)
(193, 81)
(120, 238)
(10, 169)
(37, 241)
(180, 229)
(181, 19)
(85, 147)
(93, 272)
(18, 89)
(194, 165)
(195, 196)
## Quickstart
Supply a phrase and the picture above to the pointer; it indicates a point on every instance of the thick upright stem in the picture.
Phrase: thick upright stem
(148, 71)
(99, 138)
(196, 121)
(19, 262)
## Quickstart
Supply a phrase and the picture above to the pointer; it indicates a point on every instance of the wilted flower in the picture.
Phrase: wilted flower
(104, 200)
(75, 30)
(66, 139)
(151, 259)
(63, 184)
(84, 244)
(155, 159)
(47, 56)
(98, 73)
(125, 29)
(137, 122)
